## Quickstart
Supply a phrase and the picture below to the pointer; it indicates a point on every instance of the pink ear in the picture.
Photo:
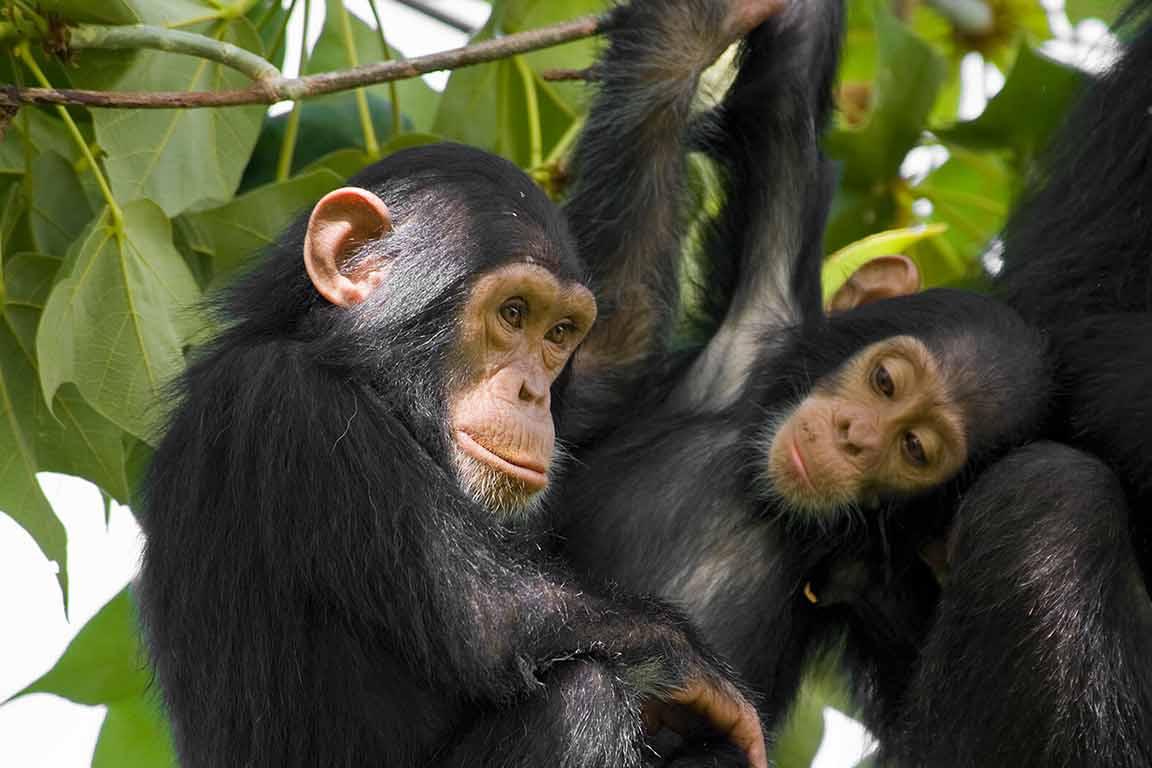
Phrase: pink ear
(881, 278)
(342, 221)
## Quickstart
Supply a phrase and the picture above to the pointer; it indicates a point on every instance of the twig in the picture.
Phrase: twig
(588, 74)
(136, 36)
(274, 89)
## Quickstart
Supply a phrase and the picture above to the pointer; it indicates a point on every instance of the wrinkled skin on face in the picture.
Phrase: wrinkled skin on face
(520, 325)
(883, 423)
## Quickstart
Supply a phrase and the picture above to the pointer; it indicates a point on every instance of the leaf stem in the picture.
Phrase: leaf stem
(288, 144)
(393, 92)
(370, 142)
(105, 190)
(535, 139)
(136, 36)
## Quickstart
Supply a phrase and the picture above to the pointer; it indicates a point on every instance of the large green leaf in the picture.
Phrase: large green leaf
(908, 77)
(101, 12)
(60, 209)
(234, 232)
(116, 324)
(20, 494)
(135, 734)
(970, 194)
(1022, 116)
(104, 662)
(75, 440)
(178, 158)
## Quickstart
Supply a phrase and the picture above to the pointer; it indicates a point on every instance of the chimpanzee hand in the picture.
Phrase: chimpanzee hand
(719, 706)
(745, 15)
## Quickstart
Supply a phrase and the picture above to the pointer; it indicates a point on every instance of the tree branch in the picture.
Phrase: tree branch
(270, 90)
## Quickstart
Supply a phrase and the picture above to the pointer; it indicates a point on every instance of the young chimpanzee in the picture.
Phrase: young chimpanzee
(1041, 652)
(751, 472)
(336, 570)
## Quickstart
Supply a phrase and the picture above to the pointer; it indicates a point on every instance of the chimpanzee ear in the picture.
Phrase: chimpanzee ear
(343, 220)
(881, 278)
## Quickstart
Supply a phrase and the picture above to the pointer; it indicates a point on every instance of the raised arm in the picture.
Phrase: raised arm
(628, 200)
(763, 250)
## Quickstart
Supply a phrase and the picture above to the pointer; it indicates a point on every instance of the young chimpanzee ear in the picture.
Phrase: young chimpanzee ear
(341, 222)
(881, 278)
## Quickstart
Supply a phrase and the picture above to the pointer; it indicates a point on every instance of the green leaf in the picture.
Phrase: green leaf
(60, 209)
(327, 124)
(908, 77)
(1106, 10)
(487, 106)
(970, 194)
(178, 158)
(1022, 116)
(840, 266)
(418, 101)
(102, 12)
(234, 232)
(104, 663)
(116, 324)
(165, 12)
(20, 494)
(135, 733)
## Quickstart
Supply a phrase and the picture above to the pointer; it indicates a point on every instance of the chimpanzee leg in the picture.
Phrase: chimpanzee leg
(583, 716)
(1042, 651)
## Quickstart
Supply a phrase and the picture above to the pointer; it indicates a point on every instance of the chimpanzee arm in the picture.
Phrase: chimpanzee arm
(308, 575)
(627, 203)
(763, 250)
(1039, 652)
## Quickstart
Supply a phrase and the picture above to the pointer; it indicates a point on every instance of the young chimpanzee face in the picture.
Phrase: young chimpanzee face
(519, 326)
(884, 422)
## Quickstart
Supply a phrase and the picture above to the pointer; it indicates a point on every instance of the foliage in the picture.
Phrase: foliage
(115, 222)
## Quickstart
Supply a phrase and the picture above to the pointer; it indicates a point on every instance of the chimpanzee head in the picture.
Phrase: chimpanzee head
(894, 398)
(450, 281)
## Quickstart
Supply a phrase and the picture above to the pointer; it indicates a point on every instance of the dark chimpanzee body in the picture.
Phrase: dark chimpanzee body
(1051, 555)
(339, 569)
(781, 480)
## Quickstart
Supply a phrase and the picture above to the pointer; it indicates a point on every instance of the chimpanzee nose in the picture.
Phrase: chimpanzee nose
(857, 432)
(534, 389)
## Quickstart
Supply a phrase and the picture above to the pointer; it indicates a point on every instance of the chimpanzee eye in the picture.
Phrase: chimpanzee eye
(882, 381)
(559, 332)
(513, 312)
(914, 449)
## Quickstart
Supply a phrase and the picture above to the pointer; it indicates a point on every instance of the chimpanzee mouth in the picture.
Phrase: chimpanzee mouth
(534, 475)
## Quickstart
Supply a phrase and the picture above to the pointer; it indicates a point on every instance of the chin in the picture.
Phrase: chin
(798, 499)
(511, 500)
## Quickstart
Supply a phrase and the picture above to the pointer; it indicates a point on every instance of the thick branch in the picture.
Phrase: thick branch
(135, 36)
(273, 89)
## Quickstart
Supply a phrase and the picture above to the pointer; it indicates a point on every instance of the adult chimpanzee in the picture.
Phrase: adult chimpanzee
(335, 574)
(1041, 656)
(748, 473)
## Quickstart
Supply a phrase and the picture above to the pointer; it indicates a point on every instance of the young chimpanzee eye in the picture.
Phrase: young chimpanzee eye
(559, 332)
(882, 381)
(914, 449)
(513, 312)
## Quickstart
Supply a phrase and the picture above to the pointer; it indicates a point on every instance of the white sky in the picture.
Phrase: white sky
(43, 731)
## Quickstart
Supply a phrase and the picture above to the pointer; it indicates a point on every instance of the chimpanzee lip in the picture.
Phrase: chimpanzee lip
(798, 462)
(531, 476)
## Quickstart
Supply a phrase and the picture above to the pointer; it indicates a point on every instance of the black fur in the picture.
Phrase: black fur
(316, 588)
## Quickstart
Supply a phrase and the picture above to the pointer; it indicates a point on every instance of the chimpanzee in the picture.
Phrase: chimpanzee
(751, 465)
(1040, 654)
(340, 568)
